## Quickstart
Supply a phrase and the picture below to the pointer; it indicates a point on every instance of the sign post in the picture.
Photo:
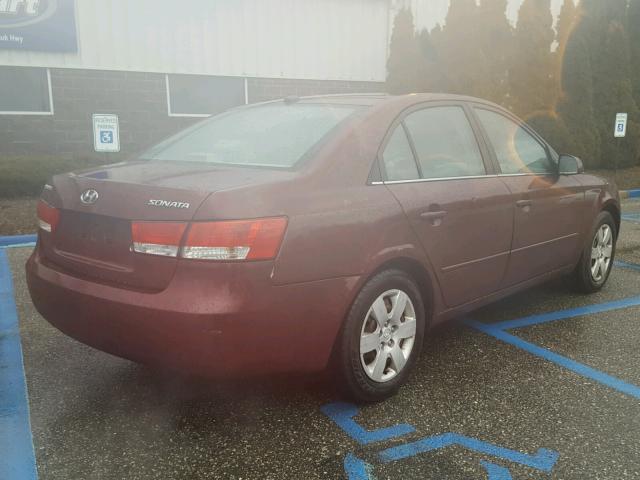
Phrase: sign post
(620, 131)
(106, 133)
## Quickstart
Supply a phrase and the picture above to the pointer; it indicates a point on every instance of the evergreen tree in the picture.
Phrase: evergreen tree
(494, 43)
(576, 104)
(406, 65)
(604, 24)
(531, 73)
(567, 22)
(633, 26)
(462, 62)
(433, 79)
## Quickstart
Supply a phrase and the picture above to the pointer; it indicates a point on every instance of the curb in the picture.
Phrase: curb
(18, 240)
(630, 193)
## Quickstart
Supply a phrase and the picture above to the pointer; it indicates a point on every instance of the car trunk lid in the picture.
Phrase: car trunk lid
(93, 237)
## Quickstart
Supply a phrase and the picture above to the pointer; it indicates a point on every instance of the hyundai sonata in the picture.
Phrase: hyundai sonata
(316, 232)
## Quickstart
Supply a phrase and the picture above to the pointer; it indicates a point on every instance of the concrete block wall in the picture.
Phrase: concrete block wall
(139, 100)
(263, 89)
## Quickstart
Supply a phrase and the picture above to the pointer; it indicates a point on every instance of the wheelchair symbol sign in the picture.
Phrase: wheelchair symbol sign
(106, 133)
(621, 125)
(106, 136)
(356, 469)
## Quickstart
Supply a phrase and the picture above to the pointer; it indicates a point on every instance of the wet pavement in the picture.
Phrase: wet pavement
(484, 403)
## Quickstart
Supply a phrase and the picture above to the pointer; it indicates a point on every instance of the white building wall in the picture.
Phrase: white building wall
(306, 39)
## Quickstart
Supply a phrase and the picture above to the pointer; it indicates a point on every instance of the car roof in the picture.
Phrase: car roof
(372, 99)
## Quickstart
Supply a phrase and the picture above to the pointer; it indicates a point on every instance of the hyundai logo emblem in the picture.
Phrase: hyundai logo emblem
(89, 197)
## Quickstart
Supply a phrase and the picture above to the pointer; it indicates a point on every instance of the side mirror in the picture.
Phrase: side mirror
(570, 165)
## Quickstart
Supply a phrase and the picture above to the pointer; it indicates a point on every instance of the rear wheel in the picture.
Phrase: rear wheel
(596, 262)
(382, 337)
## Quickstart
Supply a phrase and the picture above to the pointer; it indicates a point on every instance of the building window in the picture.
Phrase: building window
(202, 96)
(25, 91)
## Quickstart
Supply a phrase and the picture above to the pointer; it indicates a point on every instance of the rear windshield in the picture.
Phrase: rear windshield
(274, 135)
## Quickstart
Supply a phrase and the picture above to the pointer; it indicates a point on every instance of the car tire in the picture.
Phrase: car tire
(592, 274)
(374, 375)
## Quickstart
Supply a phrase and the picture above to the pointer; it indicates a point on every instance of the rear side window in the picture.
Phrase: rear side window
(516, 149)
(274, 135)
(445, 143)
(398, 159)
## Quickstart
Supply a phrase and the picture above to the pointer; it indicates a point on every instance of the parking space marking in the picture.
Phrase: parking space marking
(496, 472)
(543, 460)
(342, 414)
(17, 458)
(630, 266)
(498, 331)
(566, 314)
(357, 469)
(18, 241)
(576, 367)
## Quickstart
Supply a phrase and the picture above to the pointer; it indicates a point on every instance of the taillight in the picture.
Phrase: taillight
(258, 239)
(157, 238)
(48, 216)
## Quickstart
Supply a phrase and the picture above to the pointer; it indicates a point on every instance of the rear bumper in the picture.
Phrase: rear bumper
(213, 319)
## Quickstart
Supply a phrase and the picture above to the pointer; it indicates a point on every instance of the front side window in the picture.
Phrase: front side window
(274, 135)
(445, 143)
(398, 159)
(516, 149)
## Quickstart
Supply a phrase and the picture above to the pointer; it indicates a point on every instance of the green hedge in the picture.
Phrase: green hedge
(24, 176)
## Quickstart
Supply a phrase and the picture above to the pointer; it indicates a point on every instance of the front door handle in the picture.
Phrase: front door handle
(434, 217)
(524, 203)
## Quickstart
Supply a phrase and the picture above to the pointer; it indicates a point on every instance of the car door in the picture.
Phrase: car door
(548, 218)
(462, 213)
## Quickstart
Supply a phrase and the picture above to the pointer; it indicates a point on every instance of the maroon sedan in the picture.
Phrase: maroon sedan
(313, 232)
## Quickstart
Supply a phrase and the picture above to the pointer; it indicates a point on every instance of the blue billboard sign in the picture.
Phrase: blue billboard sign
(40, 25)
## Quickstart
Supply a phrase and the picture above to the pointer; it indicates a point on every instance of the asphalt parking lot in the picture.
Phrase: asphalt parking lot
(543, 385)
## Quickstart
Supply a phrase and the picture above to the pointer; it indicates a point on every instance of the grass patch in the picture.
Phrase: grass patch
(24, 176)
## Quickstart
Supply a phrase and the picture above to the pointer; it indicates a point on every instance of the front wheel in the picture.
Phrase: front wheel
(596, 262)
(382, 337)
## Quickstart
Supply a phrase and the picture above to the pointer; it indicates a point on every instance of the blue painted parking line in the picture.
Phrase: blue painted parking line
(631, 266)
(496, 472)
(17, 459)
(576, 367)
(631, 217)
(357, 469)
(565, 314)
(544, 460)
(633, 193)
(18, 240)
(498, 331)
(343, 413)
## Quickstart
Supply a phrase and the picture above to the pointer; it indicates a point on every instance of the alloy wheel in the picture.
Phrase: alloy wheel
(601, 252)
(387, 336)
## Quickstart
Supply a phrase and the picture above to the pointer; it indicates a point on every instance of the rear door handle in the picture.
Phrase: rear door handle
(524, 203)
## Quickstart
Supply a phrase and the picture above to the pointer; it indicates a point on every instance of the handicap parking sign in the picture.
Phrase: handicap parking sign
(106, 133)
(621, 125)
